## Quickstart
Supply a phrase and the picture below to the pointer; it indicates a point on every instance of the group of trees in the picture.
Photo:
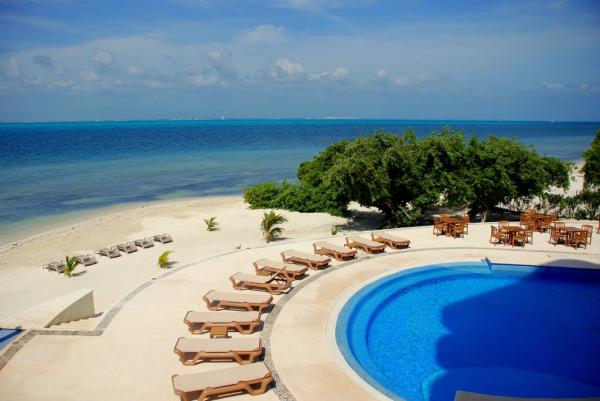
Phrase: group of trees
(404, 176)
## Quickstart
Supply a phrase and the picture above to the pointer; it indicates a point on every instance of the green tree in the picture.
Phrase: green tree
(71, 262)
(591, 166)
(270, 225)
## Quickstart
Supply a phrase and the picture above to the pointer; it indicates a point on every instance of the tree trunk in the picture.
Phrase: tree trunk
(484, 214)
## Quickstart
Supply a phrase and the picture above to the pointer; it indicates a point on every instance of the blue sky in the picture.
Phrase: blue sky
(413, 59)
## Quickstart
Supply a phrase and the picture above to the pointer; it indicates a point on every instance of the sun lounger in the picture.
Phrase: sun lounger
(243, 322)
(86, 260)
(242, 350)
(266, 267)
(55, 266)
(253, 378)
(144, 242)
(390, 240)
(302, 258)
(275, 284)
(328, 249)
(217, 300)
(163, 238)
(111, 252)
(128, 247)
(364, 244)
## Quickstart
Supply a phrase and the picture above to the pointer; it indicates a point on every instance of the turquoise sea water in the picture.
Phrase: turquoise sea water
(53, 168)
(515, 331)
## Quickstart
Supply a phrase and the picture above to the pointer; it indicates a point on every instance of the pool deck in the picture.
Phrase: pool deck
(129, 356)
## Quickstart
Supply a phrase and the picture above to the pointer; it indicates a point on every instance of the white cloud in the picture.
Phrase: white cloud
(264, 34)
(153, 84)
(580, 87)
(205, 80)
(134, 70)
(102, 57)
(403, 81)
(10, 67)
(286, 70)
(221, 65)
(339, 74)
(89, 76)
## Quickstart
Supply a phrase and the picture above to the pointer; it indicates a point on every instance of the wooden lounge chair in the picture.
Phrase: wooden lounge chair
(127, 247)
(265, 267)
(242, 322)
(86, 260)
(55, 266)
(163, 238)
(275, 284)
(144, 242)
(253, 378)
(217, 300)
(302, 258)
(242, 350)
(390, 240)
(364, 244)
(325, 248)
(111, 252)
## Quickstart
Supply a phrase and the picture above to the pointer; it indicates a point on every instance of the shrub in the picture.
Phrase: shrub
(163, 260)
(71, 263)
(211, 224)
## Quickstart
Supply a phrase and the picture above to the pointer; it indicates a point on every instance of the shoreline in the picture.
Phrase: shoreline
(60, 222)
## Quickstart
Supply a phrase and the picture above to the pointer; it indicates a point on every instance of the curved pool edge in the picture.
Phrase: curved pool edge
(331, 327)
(340, 316)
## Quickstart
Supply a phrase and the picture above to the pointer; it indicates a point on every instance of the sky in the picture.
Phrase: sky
(63, 60)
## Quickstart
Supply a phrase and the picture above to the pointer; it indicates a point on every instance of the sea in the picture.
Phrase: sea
(49, 170)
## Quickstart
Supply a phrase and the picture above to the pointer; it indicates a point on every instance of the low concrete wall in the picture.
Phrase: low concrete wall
(74, 306)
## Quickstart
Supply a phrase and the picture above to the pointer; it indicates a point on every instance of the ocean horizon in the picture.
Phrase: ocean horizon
(56, 168)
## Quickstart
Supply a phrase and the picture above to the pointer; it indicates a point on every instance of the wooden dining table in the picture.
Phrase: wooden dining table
(570, 233)
(448, 222)
(510, 232)
(538, 219)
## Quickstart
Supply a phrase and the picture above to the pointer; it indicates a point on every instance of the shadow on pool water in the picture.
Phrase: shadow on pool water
(510, 341)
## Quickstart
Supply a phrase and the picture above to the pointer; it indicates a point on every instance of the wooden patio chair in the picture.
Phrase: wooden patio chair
(456, 230)
(588, 229)
(275, 284)
(242, 322)
(579, 239)
(497, 236)
(267, 267)
(194, 350)
(529, 229)
(439, 227)
(519, 238)
(557, 236)
(217, 300)
(365, 245)
(302, 258)
(503, 223)
(338, 252)
(253, 379)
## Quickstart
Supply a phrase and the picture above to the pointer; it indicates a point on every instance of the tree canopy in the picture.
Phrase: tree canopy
(591, 167)
(403, 175)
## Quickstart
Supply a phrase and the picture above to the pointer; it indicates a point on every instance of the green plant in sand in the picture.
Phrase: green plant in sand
(270, 225)
(163, 260)
(211, 224)
(71, 263)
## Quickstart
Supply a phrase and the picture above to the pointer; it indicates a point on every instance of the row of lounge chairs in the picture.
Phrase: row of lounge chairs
(111, 252)
(241, 312)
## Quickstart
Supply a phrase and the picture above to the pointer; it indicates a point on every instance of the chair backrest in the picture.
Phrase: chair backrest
(466, 219)
(494, 229)
(587, 228)
(503, 223)
(559, 224)
(530, 211)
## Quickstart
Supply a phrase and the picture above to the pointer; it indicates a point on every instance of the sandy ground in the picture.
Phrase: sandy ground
(21, 262)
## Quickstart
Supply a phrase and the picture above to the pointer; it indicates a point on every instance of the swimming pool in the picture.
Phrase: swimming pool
(518, 331)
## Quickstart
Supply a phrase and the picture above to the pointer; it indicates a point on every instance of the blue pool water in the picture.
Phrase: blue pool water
(7, 336)
(512, 331)
(48, 169)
